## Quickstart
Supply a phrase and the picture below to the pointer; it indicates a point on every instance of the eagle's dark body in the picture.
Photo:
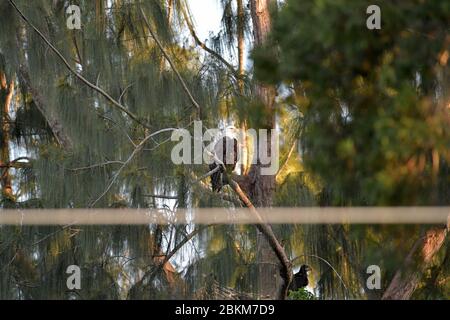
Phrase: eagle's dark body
(300, 278)
(226, 150)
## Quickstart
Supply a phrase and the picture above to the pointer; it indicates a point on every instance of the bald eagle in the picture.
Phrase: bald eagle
(226, 150)
(300, 278)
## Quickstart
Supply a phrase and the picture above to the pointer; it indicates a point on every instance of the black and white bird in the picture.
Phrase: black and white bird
(226, 151)
(300, 278)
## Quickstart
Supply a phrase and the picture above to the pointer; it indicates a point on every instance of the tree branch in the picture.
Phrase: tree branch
(169, 60)
(223, 196)
(204, 46)
(115, 103)
(408, 276)
(267, 231)
(186, 239)
(288, 157)
(131, 157)
(103, 164)
(52, 121)
(169, 255)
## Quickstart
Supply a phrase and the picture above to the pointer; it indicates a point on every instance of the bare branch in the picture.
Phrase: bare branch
(103, 164)
(131, 157)
(124, 91)
(288, 157)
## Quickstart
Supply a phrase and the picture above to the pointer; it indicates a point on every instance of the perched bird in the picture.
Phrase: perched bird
(300, 278)
(226, 150)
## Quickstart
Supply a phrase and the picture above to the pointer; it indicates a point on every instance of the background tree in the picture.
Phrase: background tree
(373, 107)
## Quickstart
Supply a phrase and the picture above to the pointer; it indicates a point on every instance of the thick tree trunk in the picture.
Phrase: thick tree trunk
(261, 187)
(407, 278)
(6, 94)
(261, 27)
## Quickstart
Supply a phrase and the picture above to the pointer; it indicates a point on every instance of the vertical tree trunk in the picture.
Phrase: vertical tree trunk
(261, 187)
(245, 158)
(261, 27)
(407, 278)
(6, 94)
